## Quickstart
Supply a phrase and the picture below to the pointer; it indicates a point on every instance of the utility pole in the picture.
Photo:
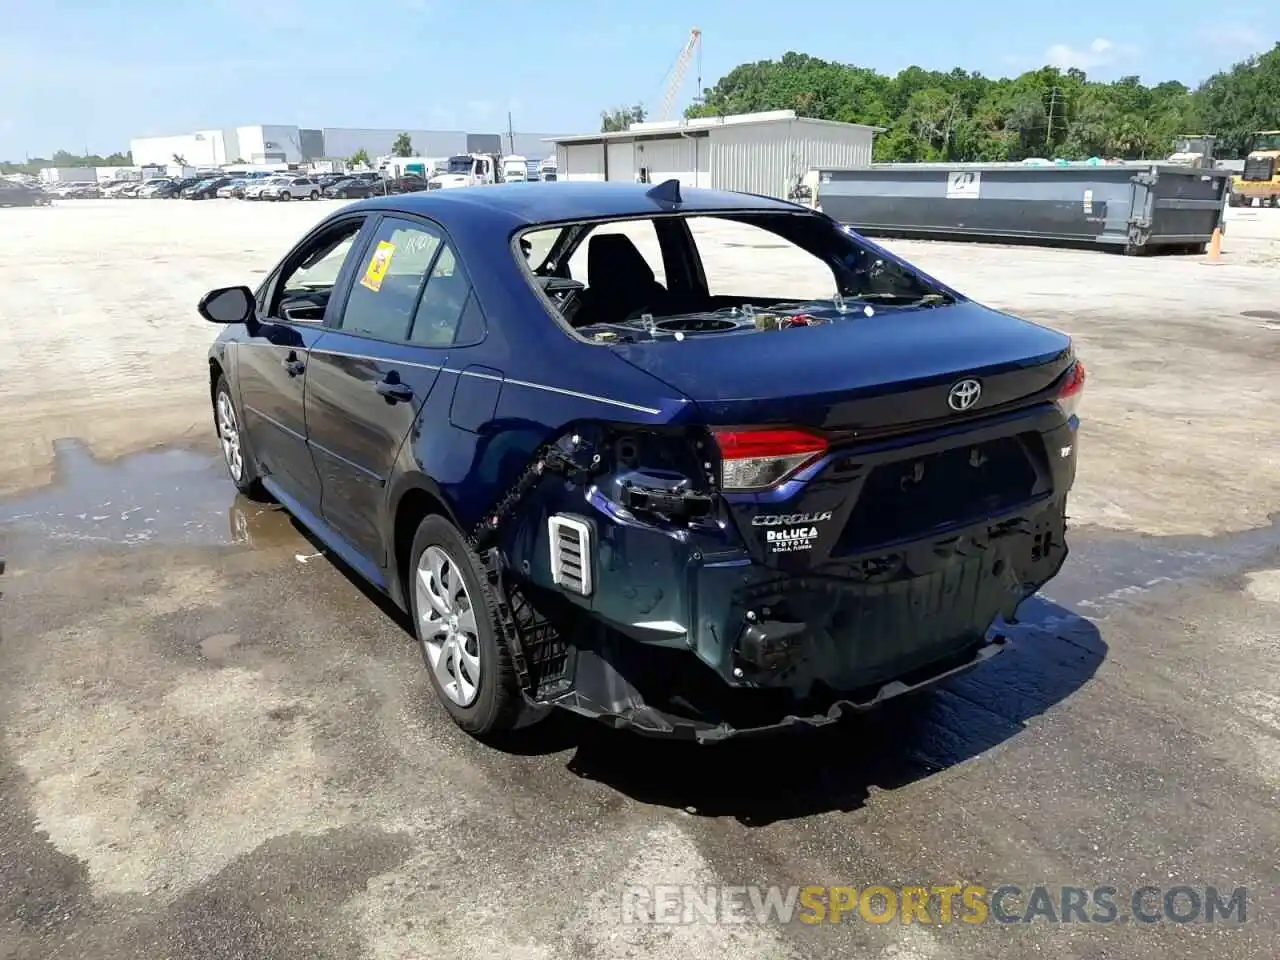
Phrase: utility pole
(1053, 103)
(511, 135)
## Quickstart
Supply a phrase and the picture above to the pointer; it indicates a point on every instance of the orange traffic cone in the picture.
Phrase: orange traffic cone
(1215, 248)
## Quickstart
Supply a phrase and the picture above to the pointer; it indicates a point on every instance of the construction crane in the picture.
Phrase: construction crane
(678, 72)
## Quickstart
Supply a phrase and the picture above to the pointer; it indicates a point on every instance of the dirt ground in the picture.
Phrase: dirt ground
(213, 744)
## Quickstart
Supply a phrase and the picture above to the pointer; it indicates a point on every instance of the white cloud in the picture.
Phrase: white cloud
(1236, 38)
(1100, 53)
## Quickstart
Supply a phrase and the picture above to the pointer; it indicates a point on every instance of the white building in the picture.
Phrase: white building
(204, 148)
(283, 143)
(762, 153)
(268, 143)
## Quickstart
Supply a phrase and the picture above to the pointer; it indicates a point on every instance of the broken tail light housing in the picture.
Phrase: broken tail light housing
(1068, 398)
(757, 458)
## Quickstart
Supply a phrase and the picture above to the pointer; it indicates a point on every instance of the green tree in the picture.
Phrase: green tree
(361, 158)
(402, 147)
(620, 118)
(1239, 102)
(965, 116)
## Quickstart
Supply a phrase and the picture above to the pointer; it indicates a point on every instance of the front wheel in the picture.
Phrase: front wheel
(286, 196)
(454, 618)
(235, 451)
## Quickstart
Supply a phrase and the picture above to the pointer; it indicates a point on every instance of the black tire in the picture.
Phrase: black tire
(286, 196)
(497, 703)
(248, 481)
(315, 194)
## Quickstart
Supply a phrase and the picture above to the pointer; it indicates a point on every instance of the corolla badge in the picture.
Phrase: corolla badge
(964, 394)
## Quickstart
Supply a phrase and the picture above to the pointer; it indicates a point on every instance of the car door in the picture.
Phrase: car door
(271, 364)
(375, 367)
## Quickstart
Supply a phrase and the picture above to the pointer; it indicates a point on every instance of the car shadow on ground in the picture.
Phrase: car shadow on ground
(764, 779)
(761, 780)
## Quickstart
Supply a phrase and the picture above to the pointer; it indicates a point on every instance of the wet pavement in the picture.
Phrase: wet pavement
(217, 745)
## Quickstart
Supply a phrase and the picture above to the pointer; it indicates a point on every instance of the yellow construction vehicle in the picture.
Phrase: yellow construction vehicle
(1261, 177)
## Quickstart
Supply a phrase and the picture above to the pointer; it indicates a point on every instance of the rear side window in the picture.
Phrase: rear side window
(444, 300)
(384, 294)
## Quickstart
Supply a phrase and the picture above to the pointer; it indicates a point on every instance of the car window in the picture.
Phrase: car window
(642, 234)
(540, 244)
(785, 270)
(385, 290)
(435, 323)
(318, 270)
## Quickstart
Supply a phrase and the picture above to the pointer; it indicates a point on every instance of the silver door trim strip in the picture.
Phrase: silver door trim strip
(372, 475)
(275, 423)
(365, 356)
(562, 391)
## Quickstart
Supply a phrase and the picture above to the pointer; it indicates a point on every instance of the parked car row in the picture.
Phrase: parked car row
(16, 193)
(281, 186)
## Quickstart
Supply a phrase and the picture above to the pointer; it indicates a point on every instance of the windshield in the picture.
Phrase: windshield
(612, 282)
(1268, 141)
(460, 164)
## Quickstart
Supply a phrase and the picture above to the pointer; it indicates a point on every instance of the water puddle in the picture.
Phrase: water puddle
(169, 496)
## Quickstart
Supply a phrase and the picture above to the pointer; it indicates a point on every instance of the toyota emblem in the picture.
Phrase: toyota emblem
(964, 394)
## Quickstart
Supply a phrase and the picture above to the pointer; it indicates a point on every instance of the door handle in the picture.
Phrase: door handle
(394, 391)
(292, 365)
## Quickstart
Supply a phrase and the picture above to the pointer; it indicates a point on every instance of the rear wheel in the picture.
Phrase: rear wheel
(235, 451)
(285, 195)
(315, 194)
(454, 618)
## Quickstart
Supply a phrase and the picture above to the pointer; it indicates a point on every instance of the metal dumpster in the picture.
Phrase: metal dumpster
(1134, 207)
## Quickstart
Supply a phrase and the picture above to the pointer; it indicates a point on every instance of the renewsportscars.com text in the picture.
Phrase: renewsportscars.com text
(935, 904)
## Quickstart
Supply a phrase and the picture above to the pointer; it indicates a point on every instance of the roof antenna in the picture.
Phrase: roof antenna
(668, 191)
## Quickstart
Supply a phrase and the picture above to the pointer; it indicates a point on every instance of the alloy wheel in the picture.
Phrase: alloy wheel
(229, 434)
(448, 626)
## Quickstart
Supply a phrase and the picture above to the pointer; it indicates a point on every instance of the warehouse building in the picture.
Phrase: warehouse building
(763, 153)
(281, 143)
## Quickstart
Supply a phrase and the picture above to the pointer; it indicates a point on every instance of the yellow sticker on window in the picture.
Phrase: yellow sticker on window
(378, 266)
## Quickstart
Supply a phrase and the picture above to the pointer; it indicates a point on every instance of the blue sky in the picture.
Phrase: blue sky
(93, 73)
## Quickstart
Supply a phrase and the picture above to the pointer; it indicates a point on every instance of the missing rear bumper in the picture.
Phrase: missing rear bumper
(711, 712)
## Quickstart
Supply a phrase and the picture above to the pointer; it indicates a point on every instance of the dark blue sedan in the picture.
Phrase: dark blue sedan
(558, 426)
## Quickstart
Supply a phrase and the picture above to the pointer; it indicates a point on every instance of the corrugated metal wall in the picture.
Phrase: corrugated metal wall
(687, 159)
(768, 158)
(580, 161)
(311, 144)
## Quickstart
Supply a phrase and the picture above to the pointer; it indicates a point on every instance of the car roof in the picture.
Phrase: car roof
(514, 205)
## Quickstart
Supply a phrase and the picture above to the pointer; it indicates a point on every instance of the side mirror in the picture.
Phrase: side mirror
(228, 305)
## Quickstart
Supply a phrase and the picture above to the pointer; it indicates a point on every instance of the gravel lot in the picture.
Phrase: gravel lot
(212, 744)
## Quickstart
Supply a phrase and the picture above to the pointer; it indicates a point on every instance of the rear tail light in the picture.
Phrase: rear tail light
(1068, 398)
(760, 458)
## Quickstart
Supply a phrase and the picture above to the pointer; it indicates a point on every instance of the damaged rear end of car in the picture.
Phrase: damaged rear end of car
(860, 488)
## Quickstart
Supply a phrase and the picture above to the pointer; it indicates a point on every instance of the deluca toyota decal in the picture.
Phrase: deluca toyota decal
(788, 519)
